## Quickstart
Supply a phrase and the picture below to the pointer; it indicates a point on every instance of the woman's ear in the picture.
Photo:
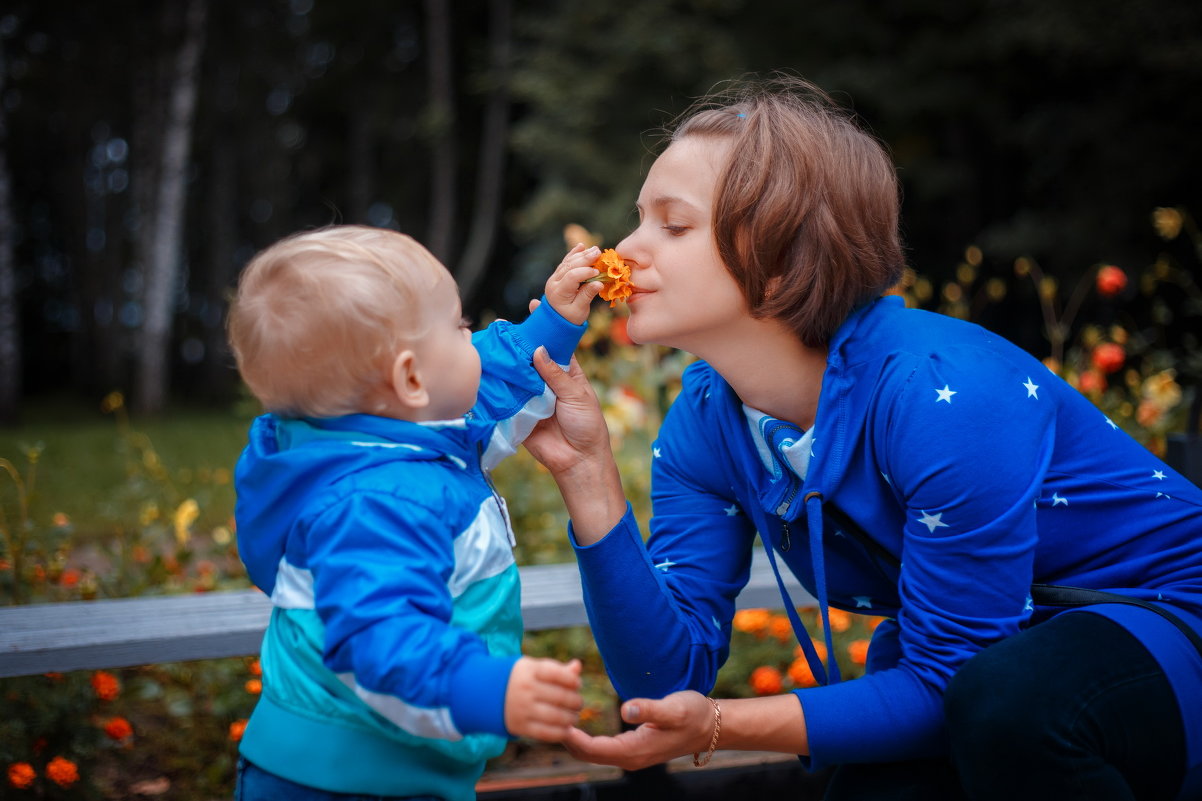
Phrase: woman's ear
(407, 384)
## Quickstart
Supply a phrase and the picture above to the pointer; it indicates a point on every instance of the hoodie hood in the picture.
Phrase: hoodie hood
(288, 462)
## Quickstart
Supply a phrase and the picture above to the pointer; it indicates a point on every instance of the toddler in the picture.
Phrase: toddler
(391, 664)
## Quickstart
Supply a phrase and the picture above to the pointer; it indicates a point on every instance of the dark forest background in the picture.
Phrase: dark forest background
(147, 150)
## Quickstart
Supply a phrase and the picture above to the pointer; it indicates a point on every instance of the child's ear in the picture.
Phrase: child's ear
(407, 383)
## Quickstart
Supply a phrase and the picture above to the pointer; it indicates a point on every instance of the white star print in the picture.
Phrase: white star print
(1031, 387)
(1163, 495)
(664, 565)
(1029, 606)
(862, 601)
(1111, 423)
(656, 453)
(932, 522)
(1158, 474)
(1058, 501)
(945, 394)
(731, 510)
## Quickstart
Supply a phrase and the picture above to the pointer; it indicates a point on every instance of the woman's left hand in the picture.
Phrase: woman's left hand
(677, 724)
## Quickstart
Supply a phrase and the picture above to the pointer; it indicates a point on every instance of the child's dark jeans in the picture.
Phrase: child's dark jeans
(256, 784)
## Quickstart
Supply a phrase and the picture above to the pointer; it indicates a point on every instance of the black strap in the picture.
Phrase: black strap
(1042, 594)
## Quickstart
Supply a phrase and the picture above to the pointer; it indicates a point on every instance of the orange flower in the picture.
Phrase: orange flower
(254, 686)
(62, 772)
(840, 620)
(615, 275)
(1111, 281)
(801, 674)
(858, 651)
(118, 729)
(236, 730)
(255, 668)
(819, 649)
(752, 621)
(69, 578)
(105, 685)
(781, 628)
(21, 775)
(765, 680)
(1108, 357)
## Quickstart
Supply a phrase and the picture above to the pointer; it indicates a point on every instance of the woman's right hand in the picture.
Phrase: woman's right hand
(573, 445)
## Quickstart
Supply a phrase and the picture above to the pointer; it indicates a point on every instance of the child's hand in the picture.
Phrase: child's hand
(564, 290)
(543, 700)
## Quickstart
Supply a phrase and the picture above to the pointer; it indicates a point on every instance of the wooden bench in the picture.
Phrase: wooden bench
(88, 635)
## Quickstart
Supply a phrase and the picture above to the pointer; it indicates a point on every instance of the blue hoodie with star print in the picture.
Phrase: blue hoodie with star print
(965, 458)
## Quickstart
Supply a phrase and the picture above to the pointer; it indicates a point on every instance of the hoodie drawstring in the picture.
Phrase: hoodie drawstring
(813, 503)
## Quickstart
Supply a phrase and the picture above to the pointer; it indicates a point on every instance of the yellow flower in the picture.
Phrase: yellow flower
(1167, 222)
(112, 402)
(185, 516)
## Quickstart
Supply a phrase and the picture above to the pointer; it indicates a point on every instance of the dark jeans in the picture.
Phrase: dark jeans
(1074, 708)
(256, 784)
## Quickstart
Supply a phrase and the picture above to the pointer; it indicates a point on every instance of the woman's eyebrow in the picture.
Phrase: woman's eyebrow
(667, 200)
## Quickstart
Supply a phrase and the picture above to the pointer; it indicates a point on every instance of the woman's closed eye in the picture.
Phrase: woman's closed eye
(675, 230)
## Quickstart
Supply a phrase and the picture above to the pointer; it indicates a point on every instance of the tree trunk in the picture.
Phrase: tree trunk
(166, 251)
(10, 328)
(490, 173)
(441, 130)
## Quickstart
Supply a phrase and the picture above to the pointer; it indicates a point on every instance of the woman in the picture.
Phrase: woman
(900, 464)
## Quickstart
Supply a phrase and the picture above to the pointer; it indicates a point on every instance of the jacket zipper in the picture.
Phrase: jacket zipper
(496, 496)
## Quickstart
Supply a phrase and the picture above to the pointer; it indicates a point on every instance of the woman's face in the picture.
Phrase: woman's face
(685, 297)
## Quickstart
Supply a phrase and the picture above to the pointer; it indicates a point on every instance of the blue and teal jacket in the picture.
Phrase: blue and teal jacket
(961, 455)
(388, 557)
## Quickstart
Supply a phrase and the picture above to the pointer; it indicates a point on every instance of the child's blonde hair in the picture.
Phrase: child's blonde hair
(319, 316)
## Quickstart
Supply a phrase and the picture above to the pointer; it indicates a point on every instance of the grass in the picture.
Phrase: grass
(84, 466)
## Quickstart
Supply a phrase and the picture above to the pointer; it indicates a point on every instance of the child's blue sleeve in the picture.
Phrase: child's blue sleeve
(512, 393)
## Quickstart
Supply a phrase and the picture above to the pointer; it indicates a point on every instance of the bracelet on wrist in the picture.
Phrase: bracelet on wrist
(698, 760)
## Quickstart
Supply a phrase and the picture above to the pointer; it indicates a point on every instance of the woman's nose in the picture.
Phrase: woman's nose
(630, 250)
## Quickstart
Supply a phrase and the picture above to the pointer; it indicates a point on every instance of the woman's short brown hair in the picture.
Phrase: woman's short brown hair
(806, 210)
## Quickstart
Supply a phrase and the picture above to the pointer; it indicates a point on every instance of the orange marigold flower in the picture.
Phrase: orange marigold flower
(118, 729)
(858, 651)
(106, 685)
(1108, 357)
(840, 620)
(780, 628)
(236, 730)
(69, 578)
(60, 520)
(801, 674)
(765, 680)
(254, 686)
(62, 771)
(819, 648)
(615, 275)
(21, 775)
(752, 621)
(1111, 281)
(255, 668)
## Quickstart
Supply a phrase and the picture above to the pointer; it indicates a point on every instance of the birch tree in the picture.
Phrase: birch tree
(440, 123)
(166, 213)
(490, 172)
